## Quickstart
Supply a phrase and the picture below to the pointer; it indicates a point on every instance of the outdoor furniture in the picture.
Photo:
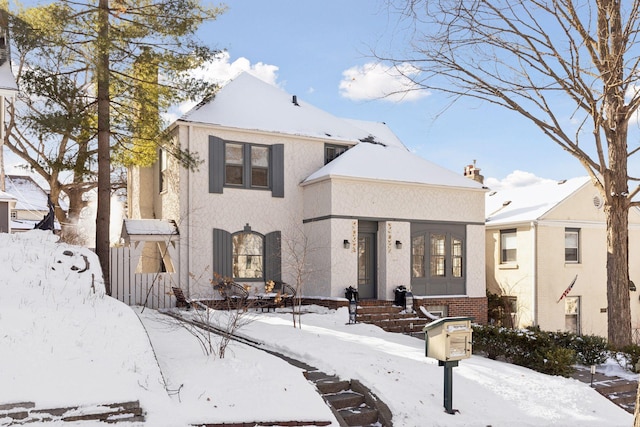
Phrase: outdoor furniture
(234, 295)
(181, 300)
(281, 295)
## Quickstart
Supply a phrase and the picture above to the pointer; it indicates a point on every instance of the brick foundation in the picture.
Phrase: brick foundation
(475, 308)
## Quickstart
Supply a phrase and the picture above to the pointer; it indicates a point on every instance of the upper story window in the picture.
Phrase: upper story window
(572, 245)
(508, 246)
(331, 151)
(245, 165)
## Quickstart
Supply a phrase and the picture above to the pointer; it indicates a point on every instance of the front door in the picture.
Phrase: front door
(367, 265)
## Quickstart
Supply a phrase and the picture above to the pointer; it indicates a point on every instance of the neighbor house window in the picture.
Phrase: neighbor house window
(248, 255)
(572, 245)
(331, 151)
(437, 259)
(508, 246)
(572, 314)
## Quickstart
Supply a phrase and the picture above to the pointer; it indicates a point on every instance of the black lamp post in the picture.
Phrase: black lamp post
(351, 294)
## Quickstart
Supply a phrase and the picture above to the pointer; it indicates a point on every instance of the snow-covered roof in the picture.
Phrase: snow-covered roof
(148, 227)
(8, 86)
(529, 203)
(30, 196)
(247, 102)
(390, 163)
(6, 197)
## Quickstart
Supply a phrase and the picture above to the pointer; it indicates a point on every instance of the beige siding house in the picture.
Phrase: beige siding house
(544, 237)
(282, 178)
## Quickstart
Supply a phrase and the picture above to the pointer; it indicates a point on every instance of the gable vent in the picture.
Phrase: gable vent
(597, 202)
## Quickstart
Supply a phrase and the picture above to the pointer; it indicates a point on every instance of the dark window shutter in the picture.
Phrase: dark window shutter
(216, 164)
(222, 253)
(277, 170)
(273, 257)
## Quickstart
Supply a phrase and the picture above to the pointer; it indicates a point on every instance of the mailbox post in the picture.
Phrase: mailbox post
(448, 340)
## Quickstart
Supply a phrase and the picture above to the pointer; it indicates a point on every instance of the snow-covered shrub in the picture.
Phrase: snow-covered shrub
(629, 357)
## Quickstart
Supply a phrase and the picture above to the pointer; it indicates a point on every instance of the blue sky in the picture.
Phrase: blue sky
(321, 52)
(309, 48)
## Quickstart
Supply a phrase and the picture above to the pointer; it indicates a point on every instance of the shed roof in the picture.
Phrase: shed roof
(150, 227)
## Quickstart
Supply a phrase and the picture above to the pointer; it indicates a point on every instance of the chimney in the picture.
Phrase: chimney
(471, 171)
(295, 101)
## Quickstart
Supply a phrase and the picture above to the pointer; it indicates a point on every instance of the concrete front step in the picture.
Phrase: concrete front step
(327, 384)
(346, 399)
(360, 416)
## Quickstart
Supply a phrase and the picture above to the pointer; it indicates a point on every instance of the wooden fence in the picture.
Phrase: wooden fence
(153, 290)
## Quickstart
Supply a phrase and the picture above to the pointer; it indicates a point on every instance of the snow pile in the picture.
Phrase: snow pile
(62, 341)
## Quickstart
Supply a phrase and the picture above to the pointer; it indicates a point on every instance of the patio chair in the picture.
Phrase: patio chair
(181, 300)
(234, 295)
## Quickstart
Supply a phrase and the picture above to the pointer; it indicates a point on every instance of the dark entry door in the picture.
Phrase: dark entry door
(367, 265)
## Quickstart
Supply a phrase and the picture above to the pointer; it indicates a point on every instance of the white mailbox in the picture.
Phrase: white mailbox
(448, 339)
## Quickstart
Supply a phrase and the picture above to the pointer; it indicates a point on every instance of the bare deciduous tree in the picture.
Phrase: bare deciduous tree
(569, 67)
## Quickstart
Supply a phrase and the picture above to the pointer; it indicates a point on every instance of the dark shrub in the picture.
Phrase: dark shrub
(631, 356)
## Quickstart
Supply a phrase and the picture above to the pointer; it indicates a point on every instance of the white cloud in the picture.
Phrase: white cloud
(379, 81)
(515, 179)
(220, 71)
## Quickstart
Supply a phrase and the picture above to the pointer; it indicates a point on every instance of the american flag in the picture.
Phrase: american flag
(566, 291)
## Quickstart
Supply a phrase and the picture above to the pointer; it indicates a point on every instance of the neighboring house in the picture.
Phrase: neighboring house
(31, 203)
(7, 204)
(287, 188)
(539, 239)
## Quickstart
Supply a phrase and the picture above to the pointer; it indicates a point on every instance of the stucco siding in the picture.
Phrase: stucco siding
(555, 275)
(405, 201)
(513, 279)
(475, 273)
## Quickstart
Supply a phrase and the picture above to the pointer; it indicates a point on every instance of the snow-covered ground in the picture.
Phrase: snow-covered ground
(63, 343)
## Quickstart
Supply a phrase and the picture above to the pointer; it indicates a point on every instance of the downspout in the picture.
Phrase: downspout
(187, 216)
(534, 277)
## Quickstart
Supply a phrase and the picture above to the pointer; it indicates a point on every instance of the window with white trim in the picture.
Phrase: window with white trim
(572, 245)
(508, 246)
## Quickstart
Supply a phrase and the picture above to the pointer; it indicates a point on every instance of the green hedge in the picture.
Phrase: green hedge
(552, 353)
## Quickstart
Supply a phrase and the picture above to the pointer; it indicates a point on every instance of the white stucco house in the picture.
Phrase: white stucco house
(282, 178)
(542, 238)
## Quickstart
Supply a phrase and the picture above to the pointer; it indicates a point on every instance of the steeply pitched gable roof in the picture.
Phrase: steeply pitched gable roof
(529, 203)
(249, 103)
(390, 163)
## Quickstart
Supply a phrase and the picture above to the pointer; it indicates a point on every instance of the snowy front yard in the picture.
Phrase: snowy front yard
(63, 343)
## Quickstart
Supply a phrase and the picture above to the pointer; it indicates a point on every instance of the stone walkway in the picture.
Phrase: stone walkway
(620, 391)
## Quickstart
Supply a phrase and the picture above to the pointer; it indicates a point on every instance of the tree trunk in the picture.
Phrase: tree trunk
(616, 211)
(103, 214)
